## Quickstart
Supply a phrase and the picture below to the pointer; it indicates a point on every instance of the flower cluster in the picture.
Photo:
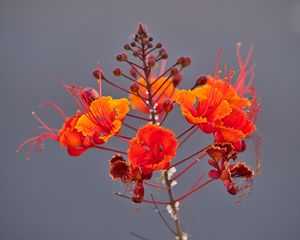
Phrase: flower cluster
(223, 104)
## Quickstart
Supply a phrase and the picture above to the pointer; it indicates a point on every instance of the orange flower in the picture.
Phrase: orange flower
(231, 94)
(103, 118)
(152, 149)
(163, 89)
(234, 126)
(67, 136)
(203, 106)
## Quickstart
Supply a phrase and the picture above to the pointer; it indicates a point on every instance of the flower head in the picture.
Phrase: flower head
(103, 119)
(203, 106)
(152, 149)
(67, 136)
(234, 126)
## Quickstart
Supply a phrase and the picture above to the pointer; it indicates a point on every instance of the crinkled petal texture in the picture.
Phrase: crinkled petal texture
(163, 89)
(230, 93)
(234, 127)
(152, 149)
(68, 134)
(104, 118)
(202, 105)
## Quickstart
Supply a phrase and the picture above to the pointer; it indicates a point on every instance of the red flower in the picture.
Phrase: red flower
(234, 127)
(67, 136)
(152, 149)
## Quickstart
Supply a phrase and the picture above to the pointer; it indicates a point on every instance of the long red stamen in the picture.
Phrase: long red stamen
(188, 157)
(42, 122)
(56, 107)
(194, 190)
(155, 186)
(186, 131)
(188, 167)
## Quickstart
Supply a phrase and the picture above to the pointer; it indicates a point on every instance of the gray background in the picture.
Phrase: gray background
(54, 196)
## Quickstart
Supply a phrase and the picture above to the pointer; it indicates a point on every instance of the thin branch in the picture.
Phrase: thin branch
(162, 216)
(194, 190)
(184, 132)
(138, 236)
(188, 157)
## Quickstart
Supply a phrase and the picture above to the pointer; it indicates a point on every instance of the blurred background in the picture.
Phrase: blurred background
(54, 196)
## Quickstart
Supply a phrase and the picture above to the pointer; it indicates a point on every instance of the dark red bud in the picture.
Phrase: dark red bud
(133, 72)
(149, 45)
(174, 71)
(96, 73)
(133, 44)
(150, 39)
(168, 105)
(158, 45)
(161, 51)
(127, 47)
(151, 62)
(117, 72)
(201, 80)
(89, 95)
(177, 79)
(164, 55)
(181, 60)
(135, 53)
(122, 57)
(134, 87)
(187, 62)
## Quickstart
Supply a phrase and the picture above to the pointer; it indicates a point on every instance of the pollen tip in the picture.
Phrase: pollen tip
(33, 113)
(239, 44)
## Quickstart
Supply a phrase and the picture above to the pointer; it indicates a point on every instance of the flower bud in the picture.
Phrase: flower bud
(161, 51)
(117, 72)
(201, 80)
(150, 39)
(127, 47)
(133, 72)
(168, 105)
(135, 53)
(122, 57)
(133, 44)
(187, 62)
(174, 71)
(149, 45)
(141, 30)
(177, 79)
(134, 87)
(164, 55)
(96, 73)
(158, 45)
(181, 60)
(89, 95)
(151, 62)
